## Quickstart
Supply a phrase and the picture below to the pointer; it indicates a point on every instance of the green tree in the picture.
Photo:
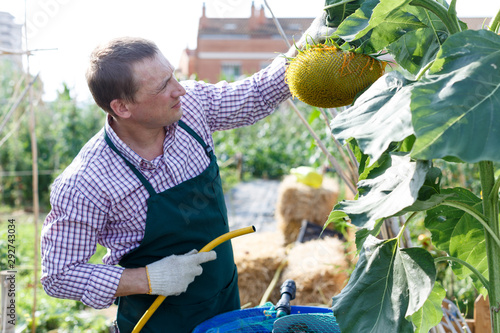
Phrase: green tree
(276, 144)
(62, 128)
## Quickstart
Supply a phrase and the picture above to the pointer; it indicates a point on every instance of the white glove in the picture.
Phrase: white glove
(172, 275)
(317, 32)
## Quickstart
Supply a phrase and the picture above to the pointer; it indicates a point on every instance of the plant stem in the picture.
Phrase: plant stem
(480, 276)
(353, 169)
(423, 70)
(450, 21)
(477, 215)
(322, 146)
(495, 23)
(273, 283)
(403, 227)
(278, 26)
(490, 208)
(331, 159)
(496, 187)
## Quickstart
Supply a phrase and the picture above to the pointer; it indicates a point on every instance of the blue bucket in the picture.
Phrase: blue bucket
(253, 320)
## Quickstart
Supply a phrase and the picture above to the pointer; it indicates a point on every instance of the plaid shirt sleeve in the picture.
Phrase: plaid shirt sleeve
(241, 103)
(69, 239)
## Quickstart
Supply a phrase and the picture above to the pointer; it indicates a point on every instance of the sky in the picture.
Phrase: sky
(66, 31)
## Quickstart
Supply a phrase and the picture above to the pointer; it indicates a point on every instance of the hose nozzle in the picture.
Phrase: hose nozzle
(287, 290)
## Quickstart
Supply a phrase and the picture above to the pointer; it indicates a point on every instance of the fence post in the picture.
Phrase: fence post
(482, 318)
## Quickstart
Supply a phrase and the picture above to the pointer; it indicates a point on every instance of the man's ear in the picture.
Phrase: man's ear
(120, 108)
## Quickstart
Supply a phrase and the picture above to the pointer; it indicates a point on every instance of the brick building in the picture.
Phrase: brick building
(230, 47)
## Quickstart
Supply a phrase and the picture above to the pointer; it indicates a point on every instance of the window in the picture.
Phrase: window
(230, 26)
(230, 70)
(294, 26)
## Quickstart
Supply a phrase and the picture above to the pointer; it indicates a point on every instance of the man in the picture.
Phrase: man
(147, 187)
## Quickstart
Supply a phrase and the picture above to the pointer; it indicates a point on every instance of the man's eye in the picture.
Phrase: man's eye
(162, 89)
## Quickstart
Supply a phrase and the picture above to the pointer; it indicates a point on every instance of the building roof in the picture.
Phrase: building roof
(255, 26)
(260, 26)
(220, 28)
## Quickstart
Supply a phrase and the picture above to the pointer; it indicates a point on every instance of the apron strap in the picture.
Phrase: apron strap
(139, 175)
(195, 135)
(144, 181)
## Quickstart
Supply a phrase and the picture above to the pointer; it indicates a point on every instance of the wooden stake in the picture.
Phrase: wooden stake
(482, 318)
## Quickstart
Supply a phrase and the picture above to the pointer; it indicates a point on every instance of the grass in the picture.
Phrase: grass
(54, 315)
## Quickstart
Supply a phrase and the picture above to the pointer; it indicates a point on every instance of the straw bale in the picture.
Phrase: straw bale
(319, 268)
(297, 201)
(257, 257)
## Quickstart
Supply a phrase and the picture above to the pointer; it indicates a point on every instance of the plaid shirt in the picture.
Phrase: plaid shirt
(98, 199)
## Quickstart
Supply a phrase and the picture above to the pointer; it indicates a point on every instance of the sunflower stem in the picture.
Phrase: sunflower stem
(480, 276)
(491, 210)
(449, 18)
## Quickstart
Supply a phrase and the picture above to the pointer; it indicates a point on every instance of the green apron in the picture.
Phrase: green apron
(185, 217)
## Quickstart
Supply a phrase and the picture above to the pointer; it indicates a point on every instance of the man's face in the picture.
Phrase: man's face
(157, 101)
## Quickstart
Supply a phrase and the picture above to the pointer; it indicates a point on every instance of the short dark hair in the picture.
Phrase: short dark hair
(109, 75)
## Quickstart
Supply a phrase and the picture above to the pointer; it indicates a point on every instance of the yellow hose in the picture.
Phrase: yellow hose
(210, 246)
